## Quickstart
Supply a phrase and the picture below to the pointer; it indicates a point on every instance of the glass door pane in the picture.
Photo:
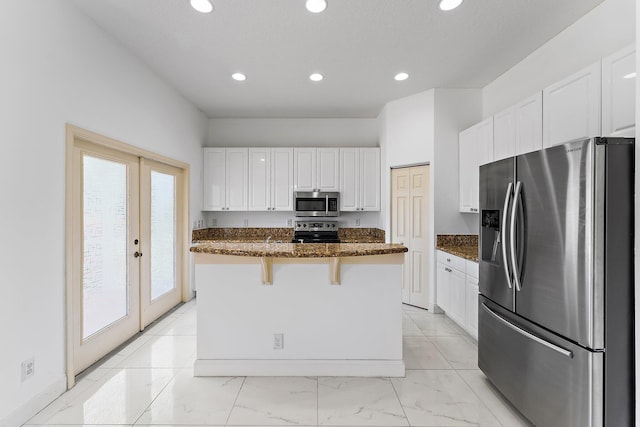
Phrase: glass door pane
(104, 251)
(163, 234)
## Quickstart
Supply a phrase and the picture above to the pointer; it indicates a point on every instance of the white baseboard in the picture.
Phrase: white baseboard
(294, 368)
(34, 405)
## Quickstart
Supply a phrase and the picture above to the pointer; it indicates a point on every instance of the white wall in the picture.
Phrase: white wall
(456, 109)
(320, 132)
(58, 68)
(606, 29)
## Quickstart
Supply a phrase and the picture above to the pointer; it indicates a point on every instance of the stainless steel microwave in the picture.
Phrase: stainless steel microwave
(316, 203)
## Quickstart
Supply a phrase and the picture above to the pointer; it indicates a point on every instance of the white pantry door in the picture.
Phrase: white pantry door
(106, 268)
(410, 226)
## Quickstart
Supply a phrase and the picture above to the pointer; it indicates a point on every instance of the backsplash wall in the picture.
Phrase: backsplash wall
(279, 219)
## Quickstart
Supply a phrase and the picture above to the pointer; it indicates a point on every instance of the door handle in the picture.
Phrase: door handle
(529, 335)
(512, 237)
(137, 254)
(503, 233)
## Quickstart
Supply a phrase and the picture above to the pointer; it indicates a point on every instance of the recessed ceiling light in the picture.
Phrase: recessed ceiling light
(630, 76)
(401, 76)
(449, 4)
(316, 6)
(203, 6)
(316, 77)
(239, 77)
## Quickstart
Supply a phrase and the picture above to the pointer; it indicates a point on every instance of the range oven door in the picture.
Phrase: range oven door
(552, 381)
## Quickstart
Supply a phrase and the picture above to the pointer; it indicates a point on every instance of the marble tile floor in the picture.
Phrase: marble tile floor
(150, 382)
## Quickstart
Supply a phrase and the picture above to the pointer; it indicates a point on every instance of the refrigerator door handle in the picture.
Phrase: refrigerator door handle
(512, 236)
(564, 352)
(503, 234)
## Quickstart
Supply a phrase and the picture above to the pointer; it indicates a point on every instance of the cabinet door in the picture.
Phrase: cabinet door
(369, 179)
(457, 296)
(259, 179)
(442, 286)
(328, 169)
(304, 166)
(282, 179)
(468, 170)
(504, 134)
(572, 107)
(237, 176)
(214, 179)
(485, 145)
(528, 124)
(349, 179)
(618, 93)
(471, 306)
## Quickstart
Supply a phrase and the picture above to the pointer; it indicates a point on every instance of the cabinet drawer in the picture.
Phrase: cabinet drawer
(472, 269)
(452, 261)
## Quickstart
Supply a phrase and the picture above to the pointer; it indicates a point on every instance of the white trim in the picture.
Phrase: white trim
(34, 405)
(299, 368)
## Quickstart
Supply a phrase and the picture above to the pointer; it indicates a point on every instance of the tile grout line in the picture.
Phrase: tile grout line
(479, 398)
(226, 422)
(173, 378)
(398, 397)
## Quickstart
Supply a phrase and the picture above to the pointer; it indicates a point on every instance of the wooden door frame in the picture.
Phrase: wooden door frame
(74, 133)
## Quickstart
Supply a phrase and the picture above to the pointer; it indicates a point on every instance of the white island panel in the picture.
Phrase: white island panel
(353, 329)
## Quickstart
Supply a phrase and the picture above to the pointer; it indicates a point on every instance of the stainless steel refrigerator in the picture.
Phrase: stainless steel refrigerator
(556, 333)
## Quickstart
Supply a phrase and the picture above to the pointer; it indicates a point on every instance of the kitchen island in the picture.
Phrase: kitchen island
(290, 309)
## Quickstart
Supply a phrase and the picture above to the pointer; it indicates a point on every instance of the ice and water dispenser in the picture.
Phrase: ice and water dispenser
(491, 236)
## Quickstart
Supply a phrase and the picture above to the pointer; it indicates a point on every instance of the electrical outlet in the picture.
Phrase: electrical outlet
(28, 369)
(214, 222)
(278, 341)
(357, 222)
(246, 222)
(289, 222)
(195, 225)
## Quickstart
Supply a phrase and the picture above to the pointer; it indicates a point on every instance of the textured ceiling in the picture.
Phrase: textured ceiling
(359, 45)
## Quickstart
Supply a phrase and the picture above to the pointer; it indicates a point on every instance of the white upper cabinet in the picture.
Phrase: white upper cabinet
(236, 177)
(370, 179)
(328, 169)
(572, 107)
(528, 124)
(316, 169)
(282, 179)
(213, 195)
(270, 179)
(618, 93)
(359, 179)
(504, 134)
(225, 179)
(518, 129)
(476, 148)
(304, 166)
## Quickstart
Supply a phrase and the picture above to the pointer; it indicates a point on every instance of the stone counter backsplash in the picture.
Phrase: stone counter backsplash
(462, 245)
(284, 234)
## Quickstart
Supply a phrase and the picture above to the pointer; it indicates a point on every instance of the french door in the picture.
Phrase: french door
(125, 225)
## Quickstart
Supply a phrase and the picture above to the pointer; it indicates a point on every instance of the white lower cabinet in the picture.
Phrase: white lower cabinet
(457, 290)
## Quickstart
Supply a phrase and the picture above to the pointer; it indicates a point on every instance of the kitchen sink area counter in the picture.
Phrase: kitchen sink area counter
(461, 245)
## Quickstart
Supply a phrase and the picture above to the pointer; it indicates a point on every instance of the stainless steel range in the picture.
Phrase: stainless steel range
(314, 231)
